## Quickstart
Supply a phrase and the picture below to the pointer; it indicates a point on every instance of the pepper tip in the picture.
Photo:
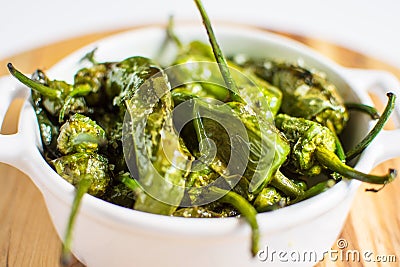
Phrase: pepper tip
(10, 66)
(393, 173)
(66, 259)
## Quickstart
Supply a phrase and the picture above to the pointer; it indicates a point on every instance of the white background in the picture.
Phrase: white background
(371, 27)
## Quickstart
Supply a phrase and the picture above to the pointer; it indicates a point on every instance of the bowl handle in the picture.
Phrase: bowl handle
(386, 145)
(13, 145)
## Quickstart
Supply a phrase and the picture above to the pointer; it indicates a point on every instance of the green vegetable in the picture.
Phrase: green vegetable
(269, 199)
(80, 134)
(268, 148)
(219, 57)
(93, 77)
(124, 190)
(81, 188)
(287, 186)
(74, 167)
(371, 111)
(305, 137)
(243, 146)
(126, 77)
(306, 94)
(159, 160)
(194, 67)
(377, 128)
(205, 138)
(246, 210)
(59, 97)
(48, 129)
(315, 190)
(313, 149)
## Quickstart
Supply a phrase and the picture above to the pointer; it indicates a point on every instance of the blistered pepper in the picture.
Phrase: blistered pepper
(59, 97)
(74, 167)
(306, 94)
(196, 69)
(313, 149)
(80, 134)
(156, 153)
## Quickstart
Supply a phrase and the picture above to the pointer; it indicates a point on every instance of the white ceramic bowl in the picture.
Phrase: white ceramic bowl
(108, 235)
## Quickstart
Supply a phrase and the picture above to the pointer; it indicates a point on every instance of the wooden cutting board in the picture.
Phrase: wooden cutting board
(27, 237)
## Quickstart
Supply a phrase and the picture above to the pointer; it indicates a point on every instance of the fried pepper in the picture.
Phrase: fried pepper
(313, 150)
(80, 134)
(59, 97)
(306, 94)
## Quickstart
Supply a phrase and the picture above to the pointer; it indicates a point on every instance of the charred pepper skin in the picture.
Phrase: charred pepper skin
(304, 140)
(80, 134)
(267, 148)
(59, 98)
(140, 89)
(195, 62)
(94, 77)
(306, 94)
(313, 150)
(304, 137)
(74, 167)
(48, 129)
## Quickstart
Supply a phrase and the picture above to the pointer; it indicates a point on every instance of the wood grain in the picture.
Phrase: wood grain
(27, 237)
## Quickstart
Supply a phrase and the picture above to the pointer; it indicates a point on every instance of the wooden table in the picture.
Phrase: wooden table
(27, 237)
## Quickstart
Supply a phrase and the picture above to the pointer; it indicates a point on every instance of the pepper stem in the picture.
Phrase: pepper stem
(82, 187)
(246, 209)
(333, 163)
(315, 190)
(171, 34)
(339, 148)
(43, 89)
(78, 91)
(286, 185)
(358, 149)
(219, 57)
(131, 183)
(371, 111)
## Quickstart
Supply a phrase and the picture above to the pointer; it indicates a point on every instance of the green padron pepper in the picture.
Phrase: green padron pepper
(74, 167)
(79, 140)
(306, 94)
(195, 67)
(94, 77)
(313, 150)
(242, 146)
(156, 151)
(80, 134)
(269, 199)
(59, 98)
(49, 130)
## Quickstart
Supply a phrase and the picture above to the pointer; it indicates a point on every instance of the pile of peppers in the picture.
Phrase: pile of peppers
(114, 133)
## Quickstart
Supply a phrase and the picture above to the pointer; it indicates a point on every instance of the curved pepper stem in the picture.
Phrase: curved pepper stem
(82, 188)
(219, 57)
(287, 186)
(43, 89)
(377, 128)
(370, 111)
(339, 148)
(171, 34)
(333, 163)
(63, 96)
(245, 209)
(315, 190)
